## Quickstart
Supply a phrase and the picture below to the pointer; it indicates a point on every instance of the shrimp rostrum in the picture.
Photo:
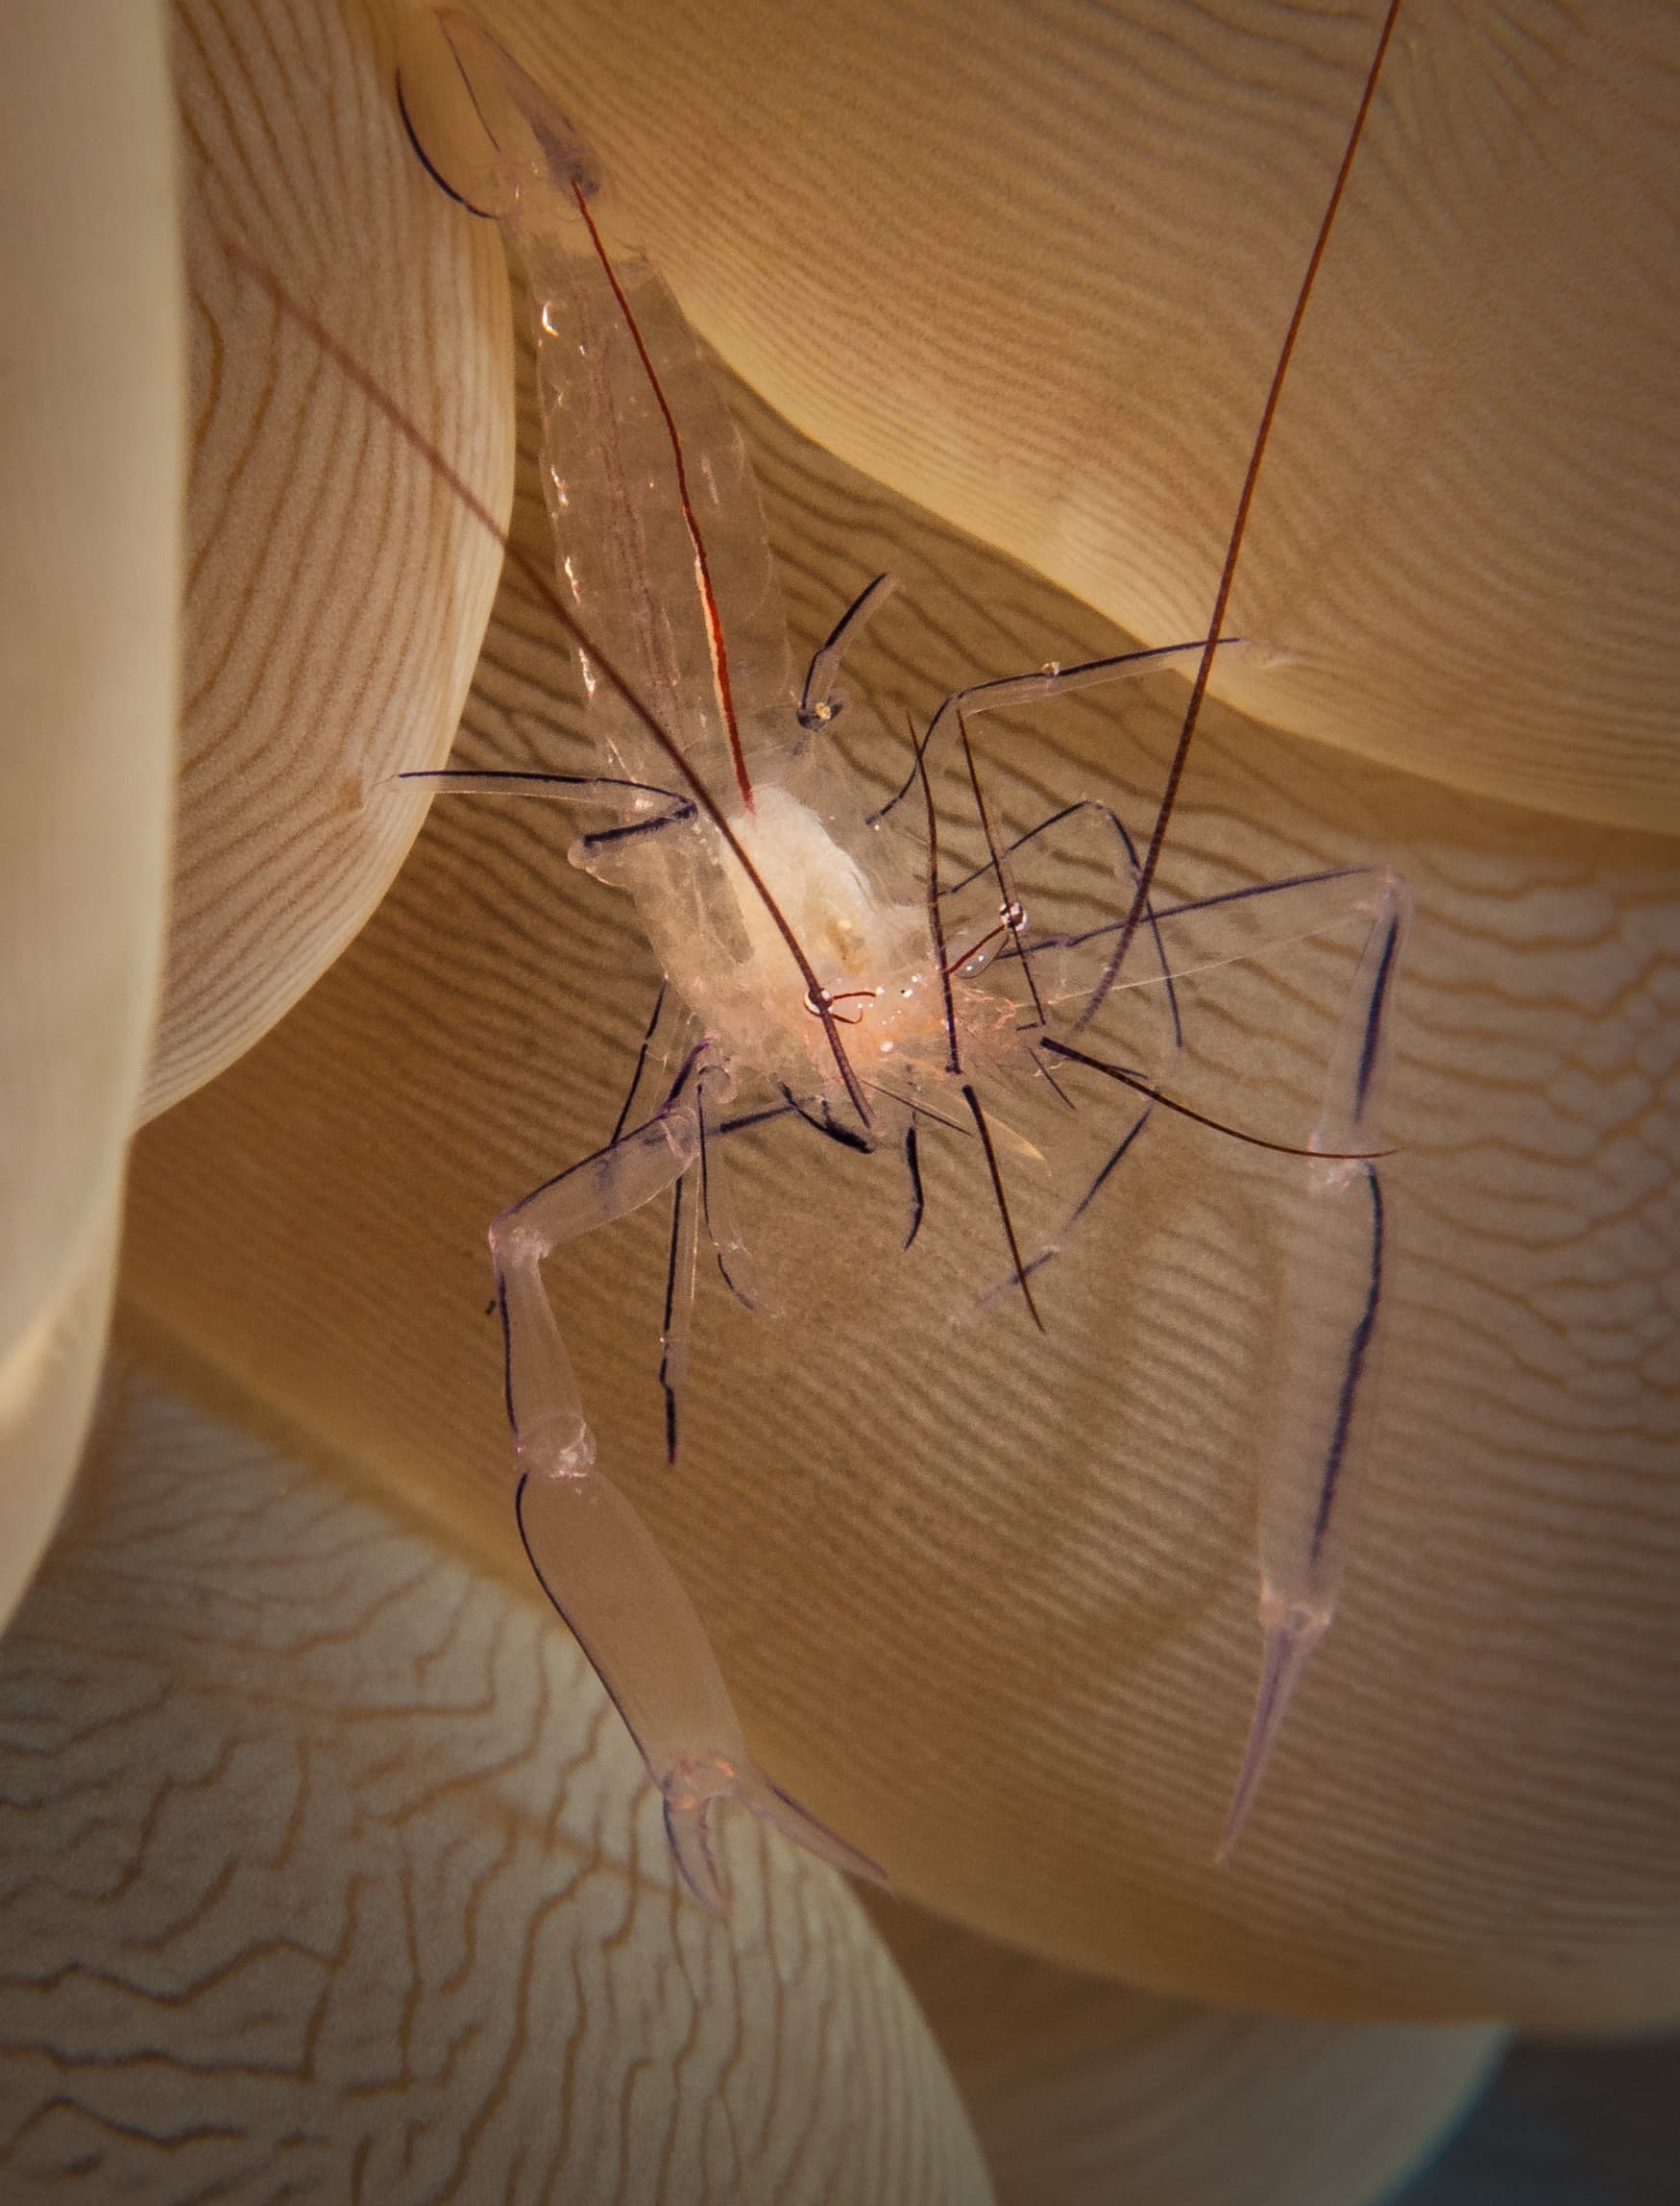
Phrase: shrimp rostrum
(820, 969)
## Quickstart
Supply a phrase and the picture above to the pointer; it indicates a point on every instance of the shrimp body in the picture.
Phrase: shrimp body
(807, 941)
(664, 557)
(663, 554)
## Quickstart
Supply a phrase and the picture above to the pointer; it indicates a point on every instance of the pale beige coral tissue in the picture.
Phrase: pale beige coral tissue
(992, 1609)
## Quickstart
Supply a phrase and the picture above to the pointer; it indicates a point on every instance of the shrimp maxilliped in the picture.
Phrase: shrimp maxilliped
(818, 968)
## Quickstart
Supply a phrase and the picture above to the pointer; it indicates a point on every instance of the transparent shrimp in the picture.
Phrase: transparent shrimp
(811, 953)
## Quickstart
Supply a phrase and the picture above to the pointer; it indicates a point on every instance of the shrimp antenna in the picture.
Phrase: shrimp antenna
(1141, 1087)
(936, 917)
(1240, 520)
(1013, 913)
(954, 1059)
(531, 571)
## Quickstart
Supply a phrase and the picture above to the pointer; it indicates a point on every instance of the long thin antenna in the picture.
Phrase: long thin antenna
(1012, 913)
(714, 643)
(1246, 499)
(1139, 1085)
(954, 1060)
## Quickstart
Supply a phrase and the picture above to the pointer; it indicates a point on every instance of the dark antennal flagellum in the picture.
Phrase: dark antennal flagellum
(1371, 1046)
(913, 1166)
(1055, 1084)
(747, 1120)
(482, 213)
(830, 1127)
(984, 1130)
(936, 917)
(1353, 1371)
(1243, 896)
(1105, 1173)
(1139, 1085)
(681, 1195)
(651, 1028)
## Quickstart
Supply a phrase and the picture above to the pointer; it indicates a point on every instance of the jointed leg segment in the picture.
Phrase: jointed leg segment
(596, 1560)
(1333, 1287)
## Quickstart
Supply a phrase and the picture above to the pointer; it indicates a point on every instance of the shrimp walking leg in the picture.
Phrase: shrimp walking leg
(1013, 692)
(594, 1557)
(1333, 1287)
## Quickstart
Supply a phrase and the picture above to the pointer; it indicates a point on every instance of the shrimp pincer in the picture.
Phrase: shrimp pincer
(818, 968)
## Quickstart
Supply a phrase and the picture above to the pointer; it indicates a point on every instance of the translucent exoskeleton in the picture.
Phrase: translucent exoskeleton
(819, 967)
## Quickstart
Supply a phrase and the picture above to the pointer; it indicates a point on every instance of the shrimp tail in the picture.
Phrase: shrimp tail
(522, 122)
